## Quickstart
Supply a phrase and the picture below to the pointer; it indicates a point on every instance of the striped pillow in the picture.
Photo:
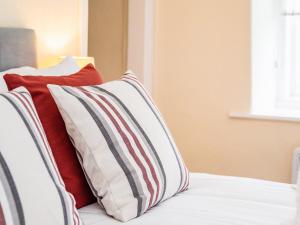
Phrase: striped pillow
(126, 149)
(31, 190)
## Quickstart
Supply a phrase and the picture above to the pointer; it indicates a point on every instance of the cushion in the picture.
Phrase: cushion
(31, 189)
(20, 70)
(63, 150)
(126, 149)
(65, 67)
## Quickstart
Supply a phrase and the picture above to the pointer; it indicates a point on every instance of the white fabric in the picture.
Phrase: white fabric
(297, 217)
(215, 200)
(65, 67)
(31, 188)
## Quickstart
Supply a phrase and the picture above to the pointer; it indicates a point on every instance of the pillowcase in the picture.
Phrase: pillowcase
(62, 148)
(126, 149)
(65, 67)
(31, 189)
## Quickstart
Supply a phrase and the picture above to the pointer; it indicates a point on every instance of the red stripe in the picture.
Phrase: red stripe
(127, 143)
(129, 77)
(138, 144)
(35, 120)
(2, 218)
(49, 151)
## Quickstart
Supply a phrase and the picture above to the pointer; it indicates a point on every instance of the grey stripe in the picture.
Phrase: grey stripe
(86, 176)
(117, 152)
(30, 129)
(95, 192)
(11, 192)
(81, 163)
(144, 136)
(163, 127)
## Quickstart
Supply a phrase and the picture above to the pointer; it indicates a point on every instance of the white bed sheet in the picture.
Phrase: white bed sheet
(215, 200)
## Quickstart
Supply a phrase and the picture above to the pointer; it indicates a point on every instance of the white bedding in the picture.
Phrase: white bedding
(215, 200)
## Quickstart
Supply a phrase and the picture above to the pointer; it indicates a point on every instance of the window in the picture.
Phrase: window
(276, 57)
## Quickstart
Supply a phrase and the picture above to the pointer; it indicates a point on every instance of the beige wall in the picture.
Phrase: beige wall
(108, 36)
(56, 23)
(202, 72)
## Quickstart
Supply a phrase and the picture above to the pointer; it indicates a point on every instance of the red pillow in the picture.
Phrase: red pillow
(62, 148)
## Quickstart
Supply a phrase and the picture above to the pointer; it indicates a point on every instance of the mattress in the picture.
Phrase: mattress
(215, 200)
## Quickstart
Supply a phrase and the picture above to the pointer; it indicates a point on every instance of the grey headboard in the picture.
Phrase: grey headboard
(17, 48)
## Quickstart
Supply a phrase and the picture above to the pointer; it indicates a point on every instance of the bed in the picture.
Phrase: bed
(17, 48)
(210, 200)
(215, 200)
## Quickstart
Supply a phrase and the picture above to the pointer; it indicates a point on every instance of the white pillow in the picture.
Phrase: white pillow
(125, 147)
(31, 189)
(66, 67)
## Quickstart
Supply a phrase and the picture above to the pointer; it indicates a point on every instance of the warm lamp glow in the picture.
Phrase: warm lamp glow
(57, 43)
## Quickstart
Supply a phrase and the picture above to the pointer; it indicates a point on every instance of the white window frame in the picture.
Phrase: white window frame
(273, 92)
